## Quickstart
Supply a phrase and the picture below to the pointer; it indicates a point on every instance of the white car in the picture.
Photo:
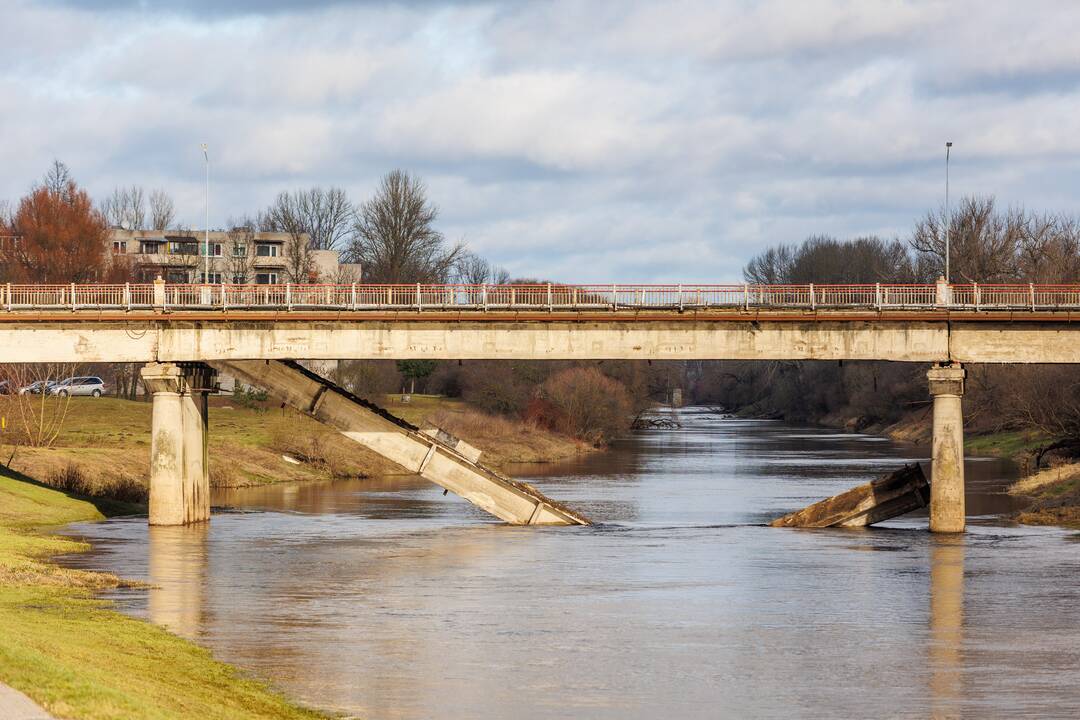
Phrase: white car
(93, 386)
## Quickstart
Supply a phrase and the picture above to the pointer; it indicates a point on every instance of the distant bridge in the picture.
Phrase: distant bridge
(253, 330)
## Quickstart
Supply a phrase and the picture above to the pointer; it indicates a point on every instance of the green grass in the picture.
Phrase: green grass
(81, 659)
(1004, 444)
(420, 406)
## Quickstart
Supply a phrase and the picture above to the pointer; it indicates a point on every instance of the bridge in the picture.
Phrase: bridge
(184, 332)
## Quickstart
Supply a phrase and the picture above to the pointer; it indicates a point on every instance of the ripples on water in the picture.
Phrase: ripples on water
(387, 600)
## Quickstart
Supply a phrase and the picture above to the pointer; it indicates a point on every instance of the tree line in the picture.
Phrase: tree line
(988, 244)
(57, 233)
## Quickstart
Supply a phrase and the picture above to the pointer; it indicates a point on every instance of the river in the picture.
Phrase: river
(385, 599)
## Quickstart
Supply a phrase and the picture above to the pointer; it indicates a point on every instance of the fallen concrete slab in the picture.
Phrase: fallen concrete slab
(887, 497)
(432, 454)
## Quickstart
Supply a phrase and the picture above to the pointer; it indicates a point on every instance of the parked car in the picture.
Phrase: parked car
(37, 388)
(94, 386)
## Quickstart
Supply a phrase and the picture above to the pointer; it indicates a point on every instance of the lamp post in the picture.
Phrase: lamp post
(206, 227)
(948, 217)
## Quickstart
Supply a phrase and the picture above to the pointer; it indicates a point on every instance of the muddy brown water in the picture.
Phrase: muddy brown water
(385, 599)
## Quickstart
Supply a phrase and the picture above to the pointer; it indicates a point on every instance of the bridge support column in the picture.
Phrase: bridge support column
(947, 462)
(179, 471)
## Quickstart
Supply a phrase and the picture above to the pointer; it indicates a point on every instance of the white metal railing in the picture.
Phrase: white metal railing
(536, 297)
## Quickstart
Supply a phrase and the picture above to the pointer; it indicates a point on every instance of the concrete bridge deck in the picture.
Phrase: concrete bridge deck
(165, 323)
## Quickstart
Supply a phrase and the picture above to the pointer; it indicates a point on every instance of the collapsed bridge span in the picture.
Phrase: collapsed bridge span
(435, 456)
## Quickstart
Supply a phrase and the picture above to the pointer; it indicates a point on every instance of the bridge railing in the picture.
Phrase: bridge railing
(536, 297)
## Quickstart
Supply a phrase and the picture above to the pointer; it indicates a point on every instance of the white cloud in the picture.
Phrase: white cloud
(570, 139)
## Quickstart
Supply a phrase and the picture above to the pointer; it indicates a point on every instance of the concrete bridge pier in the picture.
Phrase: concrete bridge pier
(947, 460)
(179, 469)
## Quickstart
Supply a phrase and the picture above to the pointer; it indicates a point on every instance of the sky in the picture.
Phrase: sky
(571, 140)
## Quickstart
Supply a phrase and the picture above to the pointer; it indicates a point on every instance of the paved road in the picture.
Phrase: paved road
(16, 706)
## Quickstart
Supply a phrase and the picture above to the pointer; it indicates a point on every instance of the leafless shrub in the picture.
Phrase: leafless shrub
(587, 404)
(37, 417)
(72, 479)
(311, 444)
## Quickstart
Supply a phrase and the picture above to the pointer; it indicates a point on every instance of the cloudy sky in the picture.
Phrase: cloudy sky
(577, 140)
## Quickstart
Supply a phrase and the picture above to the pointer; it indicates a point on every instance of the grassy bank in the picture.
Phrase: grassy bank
(79, 658)
(103, 448)
(1055, 496)
(503, 440)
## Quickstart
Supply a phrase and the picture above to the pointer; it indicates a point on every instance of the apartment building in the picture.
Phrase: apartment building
(235, 256)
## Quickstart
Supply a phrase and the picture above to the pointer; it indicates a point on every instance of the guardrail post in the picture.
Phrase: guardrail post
(352, 297)
(224, 302)
(1031, 292)
(418, 305)
(288, 296)
(977, 293)
(127, 296)
(680, 298)
(7, 296)
(614, 299)
(573, 297)
(746, 297)
(483, 296)
(942, 293)
(513, 296)
(813, 301)
(550, 308)
(73, 296)
(877, 295)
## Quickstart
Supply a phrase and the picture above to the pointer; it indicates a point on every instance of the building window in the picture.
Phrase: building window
(183, 247)
(215, 249)
(215, 278)
(239, 279)
(239, 249)
(266, 278)
(176, 276)
(119, 247)
(150, 247)
(267, 250)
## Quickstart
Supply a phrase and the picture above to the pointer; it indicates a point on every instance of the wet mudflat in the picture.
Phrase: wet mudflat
(385, 599)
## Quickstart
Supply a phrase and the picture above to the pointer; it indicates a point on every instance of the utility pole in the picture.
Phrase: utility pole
(206, 227)
(948, 216)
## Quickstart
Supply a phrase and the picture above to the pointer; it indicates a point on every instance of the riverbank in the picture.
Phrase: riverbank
(1055, 496)
(1054, 492)
(103, 446)
(79, 658)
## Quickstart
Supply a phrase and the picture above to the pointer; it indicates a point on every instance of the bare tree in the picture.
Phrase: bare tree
(125, 208)
(57, 178)
(240, 250)
(984, 244)
(395, 240)
(771, 267)
(284, 216)
(38, 416)
(323, 214)
(162, 210)
(471, 269)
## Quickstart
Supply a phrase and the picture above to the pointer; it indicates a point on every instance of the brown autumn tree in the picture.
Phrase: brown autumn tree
(60, 237)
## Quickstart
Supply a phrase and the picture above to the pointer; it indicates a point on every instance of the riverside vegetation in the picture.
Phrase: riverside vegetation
(79, 658)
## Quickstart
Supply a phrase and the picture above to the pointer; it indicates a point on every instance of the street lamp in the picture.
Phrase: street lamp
(206, 227)
(948, 217)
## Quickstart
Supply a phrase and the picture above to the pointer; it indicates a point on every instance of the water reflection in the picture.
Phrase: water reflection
(388, 599)
(178, 566)
(946, 625)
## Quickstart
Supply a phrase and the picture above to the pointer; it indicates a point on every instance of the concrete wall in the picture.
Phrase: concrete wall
(135, 340)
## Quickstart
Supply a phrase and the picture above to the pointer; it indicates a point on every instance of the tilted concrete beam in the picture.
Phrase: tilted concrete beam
(426, 455)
